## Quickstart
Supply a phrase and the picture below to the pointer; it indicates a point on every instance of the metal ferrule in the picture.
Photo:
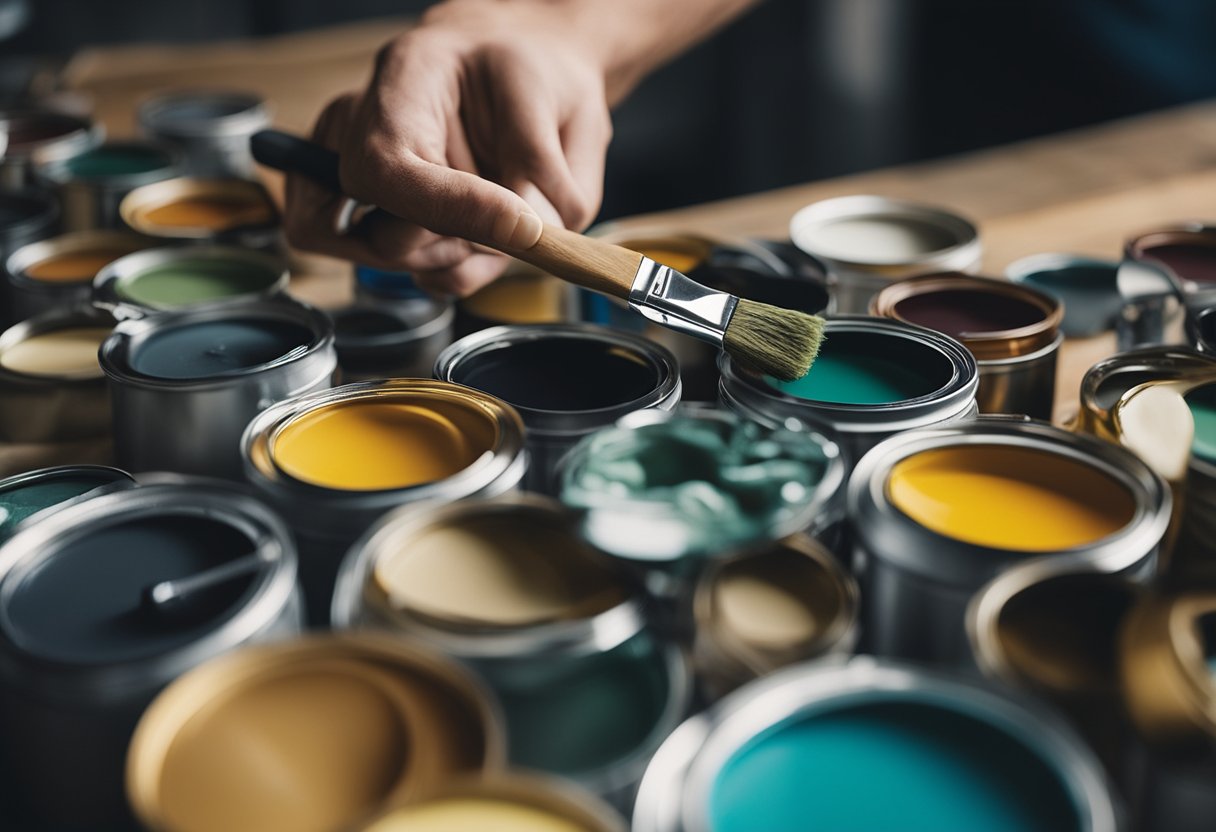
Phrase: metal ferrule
(671, 300)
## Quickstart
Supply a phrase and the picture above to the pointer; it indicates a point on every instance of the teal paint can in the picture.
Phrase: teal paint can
(92, 185)
(34, 493)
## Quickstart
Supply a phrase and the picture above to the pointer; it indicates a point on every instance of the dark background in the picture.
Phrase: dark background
(798, 89)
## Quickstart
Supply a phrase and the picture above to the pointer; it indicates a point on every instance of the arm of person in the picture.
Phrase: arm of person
(485, 119)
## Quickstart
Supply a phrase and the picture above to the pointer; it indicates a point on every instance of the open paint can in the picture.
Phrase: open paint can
(873, 378)
(1185, 254)
(180, 276)
(56, 274)
(555, 627)
(874, 746)
(184, 384)
(25, 217)
(235, 212)
(51, 385)
(91, 185)
(760, 270)
(311, 735)
(1013, 331)
(940, 512)
(391, 339)
(209, 128)
(336, 460)
(523, 803)
(107, 601)
(1086, 287)
(30, 496)
(1168, 652)
(868, 241)
(755, 613)
(523, 295)
(565, 380)
(38, 137)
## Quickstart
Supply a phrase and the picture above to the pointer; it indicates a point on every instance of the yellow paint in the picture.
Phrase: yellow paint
(462, 814)
(1009, 498)
(528, 298)
(373, 445)
(681, 261)
(62, 352)
(73, 266)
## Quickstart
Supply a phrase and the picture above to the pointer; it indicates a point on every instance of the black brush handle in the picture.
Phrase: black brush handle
(291, 154)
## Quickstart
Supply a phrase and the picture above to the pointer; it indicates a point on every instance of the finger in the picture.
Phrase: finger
(463, 280)
(585, 138)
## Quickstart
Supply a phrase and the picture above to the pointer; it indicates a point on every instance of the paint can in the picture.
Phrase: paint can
(185, 383)
(1106, 382)
(235, 212)
(374, 286)
(397, 339)
(868, 241)
(57, 274)
(1184, 253)
(25, 217)
(210, 128)
(41, 137)
(516, 801)
(566, 381)
(1168, 645)
(806, 748)
(30, 496)
(90, 186)
(759, 270)
(523, 295)
(336, 460)
(555, 627)
(757, 612)
(311, 735)
(1012, 330)
(89, 635)
(182, 276)
(1086, 287)
(940, 512)
(873, 378)
(51, 385)
(1201, 329)
(666, 492)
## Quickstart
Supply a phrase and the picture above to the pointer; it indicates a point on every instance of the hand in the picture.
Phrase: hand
(483, 120)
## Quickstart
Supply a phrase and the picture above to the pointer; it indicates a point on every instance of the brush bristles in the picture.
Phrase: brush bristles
(780, 342)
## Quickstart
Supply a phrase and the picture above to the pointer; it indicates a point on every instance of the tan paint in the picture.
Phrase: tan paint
(63, 352)
(463, 814)
(776, 600)
(212, 213)
(73, 266)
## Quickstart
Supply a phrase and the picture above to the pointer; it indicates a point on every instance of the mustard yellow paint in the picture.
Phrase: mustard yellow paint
(1009, 498)
(462, 814)
(61, 352)
(529, 298)
(375, 445)
(681, 261)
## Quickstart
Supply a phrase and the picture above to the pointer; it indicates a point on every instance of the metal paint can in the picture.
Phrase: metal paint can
(566, 381)
(184, 384)
(1201, 329)
(1184, 253)
(51, 386)
(865, 744)
(940, 512)
(556, 628)
(32, 495)
(25, 217)
(1167, 647)
(873, 378)
(868, 241)
(56, 274)
(398, 339)
(211, 129)
(1086, 287)
(755, 613)
(87, 639)
(319, 733)
(525, 802)
(235, 212)
(41, 137)
(91, 185)
(334, 461)
(522, 296)
(182, 276)
(760, 270)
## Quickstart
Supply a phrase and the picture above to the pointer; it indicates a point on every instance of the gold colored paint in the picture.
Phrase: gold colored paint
(211, 213)
(495, 570)
(377, 445)
(463, 814)
(1010, 498)
(523, 298)
(73, 266)
(62, 352)
(681, 261)
(763, 610)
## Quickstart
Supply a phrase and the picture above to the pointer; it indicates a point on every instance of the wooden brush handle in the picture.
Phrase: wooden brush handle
(586, 261)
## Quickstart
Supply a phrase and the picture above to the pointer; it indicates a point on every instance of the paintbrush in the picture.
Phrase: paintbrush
(780, 342)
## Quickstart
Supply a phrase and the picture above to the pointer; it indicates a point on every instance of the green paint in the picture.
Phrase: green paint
(575, 716)
(117, 160)
(890, 766)
(186, 282)
(856, 379)
(19, 501)
(1202, 401)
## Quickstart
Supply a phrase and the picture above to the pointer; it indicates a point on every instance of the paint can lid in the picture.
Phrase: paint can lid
(204, 113)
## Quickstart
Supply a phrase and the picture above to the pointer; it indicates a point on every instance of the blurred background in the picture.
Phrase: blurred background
(797, 90)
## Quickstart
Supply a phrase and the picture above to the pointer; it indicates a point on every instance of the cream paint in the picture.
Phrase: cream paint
(879, 239)
(61, 352)
(462, 814)
(764, 612)
(1155, 423)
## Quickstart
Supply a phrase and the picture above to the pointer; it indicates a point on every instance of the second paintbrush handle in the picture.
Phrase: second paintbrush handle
(585, 261)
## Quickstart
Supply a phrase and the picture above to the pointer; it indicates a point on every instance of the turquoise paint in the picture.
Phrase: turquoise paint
(117, 160)
(19, 501)
(1202, 402)
(855, 379)
(889, 766)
